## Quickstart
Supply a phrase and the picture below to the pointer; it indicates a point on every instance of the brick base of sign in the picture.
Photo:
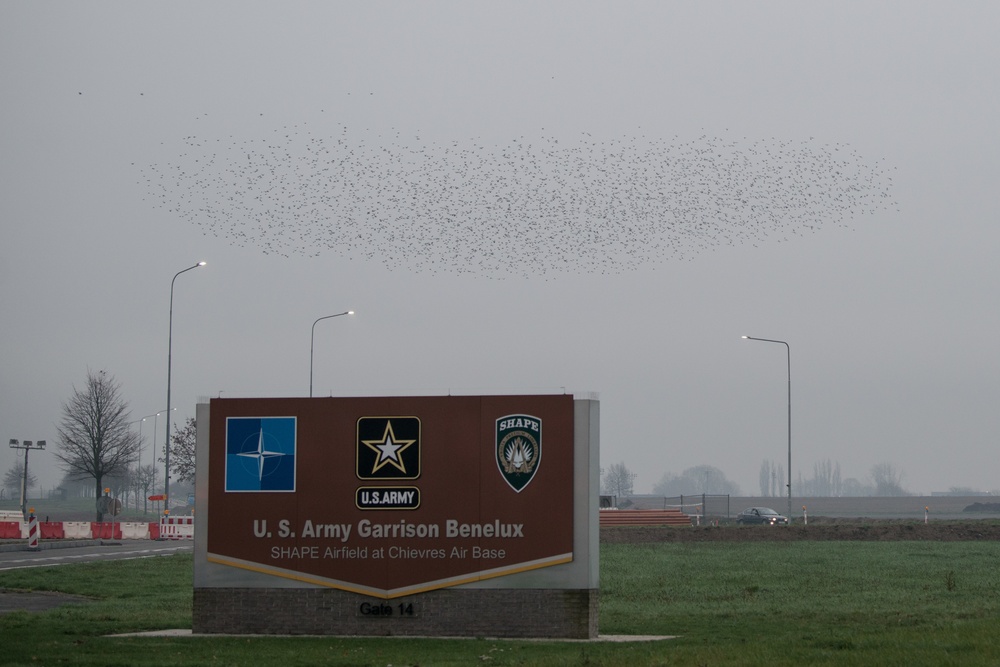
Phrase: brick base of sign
(520, 613)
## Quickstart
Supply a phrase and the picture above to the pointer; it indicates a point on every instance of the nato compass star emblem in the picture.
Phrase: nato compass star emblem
(260, 454)
(388, 448)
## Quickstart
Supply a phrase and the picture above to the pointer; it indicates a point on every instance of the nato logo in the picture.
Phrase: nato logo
(260, 454)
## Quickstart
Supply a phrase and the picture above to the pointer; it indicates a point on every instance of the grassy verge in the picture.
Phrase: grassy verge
(816, 603)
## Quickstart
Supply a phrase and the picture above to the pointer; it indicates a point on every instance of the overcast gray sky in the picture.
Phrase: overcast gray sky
(124, 123)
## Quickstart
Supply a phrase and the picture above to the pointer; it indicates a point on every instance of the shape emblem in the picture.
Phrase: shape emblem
(518, 449)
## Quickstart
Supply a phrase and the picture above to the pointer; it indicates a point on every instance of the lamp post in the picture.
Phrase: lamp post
(170, 347)
(788, 351)
(312, 337)
(156, 418)
(138, 464)
(27, 446)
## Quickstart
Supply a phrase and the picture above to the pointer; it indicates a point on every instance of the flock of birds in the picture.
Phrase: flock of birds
(527, 207)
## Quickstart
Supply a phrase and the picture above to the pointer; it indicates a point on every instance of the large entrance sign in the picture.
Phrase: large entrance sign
(397, 515)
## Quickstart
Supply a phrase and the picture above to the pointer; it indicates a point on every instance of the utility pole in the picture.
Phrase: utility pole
(27, 446)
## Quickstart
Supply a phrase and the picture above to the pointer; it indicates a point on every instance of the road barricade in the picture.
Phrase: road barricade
(134, 531)
(52, 530)
(10, 530)
(177, 528)
(102, 531)
(77, 530)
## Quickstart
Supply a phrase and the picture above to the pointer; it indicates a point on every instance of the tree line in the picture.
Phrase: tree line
(884, 480)
(827, 481)
(97, 445)
(618, 480)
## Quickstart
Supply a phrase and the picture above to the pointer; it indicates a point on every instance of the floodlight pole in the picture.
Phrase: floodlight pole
(788, 351)
(27, 446)
(312, 338)
(170, 348)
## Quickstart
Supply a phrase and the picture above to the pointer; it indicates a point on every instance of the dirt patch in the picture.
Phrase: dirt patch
(983, 507)
(840, 530)
(14, 600)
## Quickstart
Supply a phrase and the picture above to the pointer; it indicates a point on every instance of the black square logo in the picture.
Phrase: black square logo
(388, 448)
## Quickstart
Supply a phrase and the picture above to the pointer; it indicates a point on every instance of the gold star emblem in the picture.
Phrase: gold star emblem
(388, 449)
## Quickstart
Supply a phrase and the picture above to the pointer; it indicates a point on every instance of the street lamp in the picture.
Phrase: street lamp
(139, 421)
(170, 346)
(138, 462)
(156, 418)
(312, 337)
(27, 446)
(788, 351)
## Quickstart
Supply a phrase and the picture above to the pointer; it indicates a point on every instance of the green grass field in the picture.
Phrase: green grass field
(793, 603)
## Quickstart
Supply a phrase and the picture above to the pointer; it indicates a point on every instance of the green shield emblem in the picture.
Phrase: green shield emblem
(518, 449)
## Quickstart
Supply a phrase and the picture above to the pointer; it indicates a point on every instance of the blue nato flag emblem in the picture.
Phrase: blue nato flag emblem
(260, 454)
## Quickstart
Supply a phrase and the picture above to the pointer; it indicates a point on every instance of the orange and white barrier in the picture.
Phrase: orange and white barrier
(11, 527)
(76, 530)
(51, 530)
(10, 530)
(135, 531)
(105, 530)
(168, 528)
(177, 528)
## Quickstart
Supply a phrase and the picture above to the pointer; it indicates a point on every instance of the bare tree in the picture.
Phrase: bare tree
(618, 480)
(15, 477)
(141, 480)
(73, 487)
(95, 437)
(182, 446)
(766, 477)
(695, 480)
(146, 483)
(825, 480)
(120, 484)
(887, 481)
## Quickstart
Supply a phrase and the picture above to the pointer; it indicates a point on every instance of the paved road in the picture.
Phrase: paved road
(88, 551)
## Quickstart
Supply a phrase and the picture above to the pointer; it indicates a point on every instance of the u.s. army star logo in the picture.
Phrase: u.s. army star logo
(518, 449)
(388, 448)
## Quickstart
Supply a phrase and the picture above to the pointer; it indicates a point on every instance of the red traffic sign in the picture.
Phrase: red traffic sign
(158, 497)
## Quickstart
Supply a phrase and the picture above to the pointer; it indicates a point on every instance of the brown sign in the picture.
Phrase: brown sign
(391, 496)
